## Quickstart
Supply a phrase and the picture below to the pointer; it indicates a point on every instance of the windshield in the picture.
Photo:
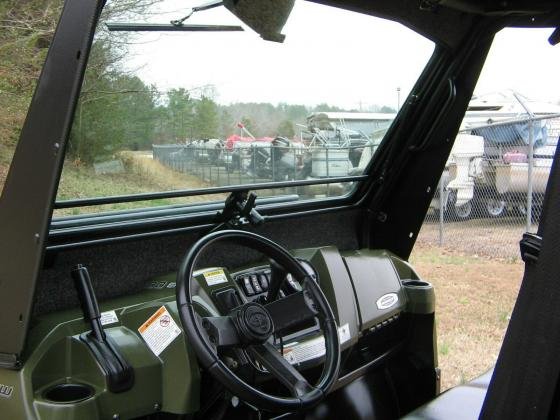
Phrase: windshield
(168, 111)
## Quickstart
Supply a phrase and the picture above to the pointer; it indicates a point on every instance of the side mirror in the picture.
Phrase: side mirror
(266, 17)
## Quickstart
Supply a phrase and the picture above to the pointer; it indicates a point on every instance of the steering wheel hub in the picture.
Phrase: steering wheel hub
(254, 323)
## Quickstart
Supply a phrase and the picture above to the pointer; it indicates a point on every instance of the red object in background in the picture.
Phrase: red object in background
(515, 157)
(234, 138)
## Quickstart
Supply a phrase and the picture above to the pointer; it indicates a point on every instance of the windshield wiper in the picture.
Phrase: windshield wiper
(169, 27)
(202, 7)
(176, 25)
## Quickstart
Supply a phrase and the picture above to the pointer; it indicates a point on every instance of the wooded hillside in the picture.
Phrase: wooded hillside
(117, 110)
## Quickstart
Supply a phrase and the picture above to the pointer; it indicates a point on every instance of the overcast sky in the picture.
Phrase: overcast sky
(330, 55)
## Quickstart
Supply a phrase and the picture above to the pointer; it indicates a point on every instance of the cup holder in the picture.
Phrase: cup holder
(421, 296)
(68, 393)
(416, 283)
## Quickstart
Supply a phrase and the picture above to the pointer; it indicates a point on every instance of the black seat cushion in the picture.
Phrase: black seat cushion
(460, 403)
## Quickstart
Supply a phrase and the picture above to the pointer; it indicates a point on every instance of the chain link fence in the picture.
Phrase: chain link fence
(260, 162)
(490, 192)
(493, 185)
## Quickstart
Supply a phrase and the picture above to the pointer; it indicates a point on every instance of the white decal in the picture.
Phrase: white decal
(6, 391)
(311, 349)
(109, 317)
(159, 331)
(344, 333)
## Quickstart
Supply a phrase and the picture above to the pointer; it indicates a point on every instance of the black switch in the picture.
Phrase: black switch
(248, 287)
(255, 283)
(263, 281)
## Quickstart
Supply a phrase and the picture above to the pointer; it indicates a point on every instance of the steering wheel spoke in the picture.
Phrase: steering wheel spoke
(281, 369)
(221, 331)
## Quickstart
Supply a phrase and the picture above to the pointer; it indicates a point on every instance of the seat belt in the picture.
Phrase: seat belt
(525, 381)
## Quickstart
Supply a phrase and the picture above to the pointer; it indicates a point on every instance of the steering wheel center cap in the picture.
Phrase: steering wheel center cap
(254, 322)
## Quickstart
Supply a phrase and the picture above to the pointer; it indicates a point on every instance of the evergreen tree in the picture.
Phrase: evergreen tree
(180, 110)
(286, 129)
(206, 122)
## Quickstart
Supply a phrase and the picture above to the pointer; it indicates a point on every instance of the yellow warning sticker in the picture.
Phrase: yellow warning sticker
(215, 277)
(159, 331)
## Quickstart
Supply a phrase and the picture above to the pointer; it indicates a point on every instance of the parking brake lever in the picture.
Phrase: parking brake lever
(119, 375)
(87, 298)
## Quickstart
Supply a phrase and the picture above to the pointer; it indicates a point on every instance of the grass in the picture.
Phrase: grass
(443, 349)
(142, 175)
(474, 300)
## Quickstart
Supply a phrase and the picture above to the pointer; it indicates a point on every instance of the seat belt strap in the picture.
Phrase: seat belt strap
(525, 379)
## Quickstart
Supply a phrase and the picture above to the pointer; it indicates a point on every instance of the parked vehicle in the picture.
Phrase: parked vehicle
(491, 179)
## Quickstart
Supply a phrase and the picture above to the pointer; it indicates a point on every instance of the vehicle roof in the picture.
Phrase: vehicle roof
(447, 21)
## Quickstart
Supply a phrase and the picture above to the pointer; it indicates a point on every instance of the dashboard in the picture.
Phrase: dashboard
(372, 293)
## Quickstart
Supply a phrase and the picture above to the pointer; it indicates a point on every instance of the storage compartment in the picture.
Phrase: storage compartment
(67, 393)
(377, 287)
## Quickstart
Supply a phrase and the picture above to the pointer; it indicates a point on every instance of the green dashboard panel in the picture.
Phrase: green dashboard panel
(61, 379)
(60, 357)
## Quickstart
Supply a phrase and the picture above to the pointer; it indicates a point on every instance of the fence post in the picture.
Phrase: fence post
(229, 163)
(273, 161)
(295, 161)
(530, 177)
(441, 204)
(327, 168)
(254, 159)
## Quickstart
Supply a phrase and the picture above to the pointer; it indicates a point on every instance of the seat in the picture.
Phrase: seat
(463, 402)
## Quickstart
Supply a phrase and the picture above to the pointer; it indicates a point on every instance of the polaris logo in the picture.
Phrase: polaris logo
(6, 391)
(386, 301)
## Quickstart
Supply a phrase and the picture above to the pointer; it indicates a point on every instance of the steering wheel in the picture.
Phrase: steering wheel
(251, 325)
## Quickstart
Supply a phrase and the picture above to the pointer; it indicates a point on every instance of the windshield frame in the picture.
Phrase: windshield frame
(45, 133)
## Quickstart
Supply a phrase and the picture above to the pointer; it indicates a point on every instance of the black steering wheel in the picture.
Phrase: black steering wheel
(251, 325)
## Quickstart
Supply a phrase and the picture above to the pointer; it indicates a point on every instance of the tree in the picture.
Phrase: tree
(324, 107)
(388, 109)
(120, 113)
(227, 123)
(206, 122)
(115, 109)
(180, 110)
(286, 129)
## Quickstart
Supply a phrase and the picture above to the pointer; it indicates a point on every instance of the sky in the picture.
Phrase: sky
(330, 55)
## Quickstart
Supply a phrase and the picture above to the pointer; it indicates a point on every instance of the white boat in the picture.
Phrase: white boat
(496, 182)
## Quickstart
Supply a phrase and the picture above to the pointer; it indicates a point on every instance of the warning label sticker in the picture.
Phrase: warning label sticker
(215, 277)
(311, 349)
(109, 317)
(159, 331)
(344, 333)
(301, 352)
